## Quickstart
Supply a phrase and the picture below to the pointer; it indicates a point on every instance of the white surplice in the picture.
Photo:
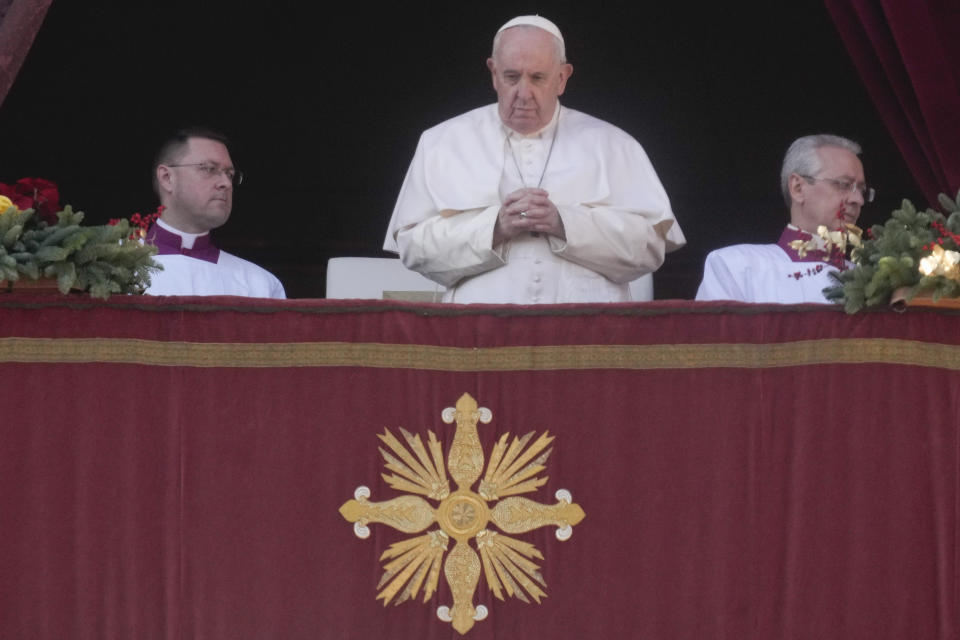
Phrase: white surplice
(767, 273)
(230, 275)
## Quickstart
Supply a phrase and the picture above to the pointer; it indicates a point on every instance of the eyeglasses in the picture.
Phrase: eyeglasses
(211, 171)
(846, 186)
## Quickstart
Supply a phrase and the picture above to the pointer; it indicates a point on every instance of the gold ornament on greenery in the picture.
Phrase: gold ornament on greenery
(101, 260)
(914, 251)
(839, 241)
(834, 243)
(941, 263)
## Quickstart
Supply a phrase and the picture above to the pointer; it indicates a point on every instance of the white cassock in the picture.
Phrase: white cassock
(217, 273)
(767, 273)
(615, 212)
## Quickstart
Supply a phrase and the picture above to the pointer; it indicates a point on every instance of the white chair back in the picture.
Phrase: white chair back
(388, 279)
(378, 278)
(641, 289)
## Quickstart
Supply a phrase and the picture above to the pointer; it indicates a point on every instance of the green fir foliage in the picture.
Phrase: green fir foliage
(102, 260)
(890, 257)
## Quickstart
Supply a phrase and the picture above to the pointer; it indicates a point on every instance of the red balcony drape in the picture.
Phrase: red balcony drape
(908, 54)
(19, 22)
(173, 468)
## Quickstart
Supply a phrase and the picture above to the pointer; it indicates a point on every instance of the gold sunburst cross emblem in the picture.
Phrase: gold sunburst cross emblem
(508, 563)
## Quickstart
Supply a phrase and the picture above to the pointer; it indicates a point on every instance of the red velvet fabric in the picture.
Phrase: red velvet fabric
(19, 22)
(760, 472)
(908, 55)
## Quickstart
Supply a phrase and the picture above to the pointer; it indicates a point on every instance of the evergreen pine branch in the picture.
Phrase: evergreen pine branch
(102, 260)
(889, 258)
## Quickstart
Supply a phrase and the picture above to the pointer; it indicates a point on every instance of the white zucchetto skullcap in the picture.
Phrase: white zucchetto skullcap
(534, 21)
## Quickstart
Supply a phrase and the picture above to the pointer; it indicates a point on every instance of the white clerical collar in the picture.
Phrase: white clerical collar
(543, 132)
(186, 239)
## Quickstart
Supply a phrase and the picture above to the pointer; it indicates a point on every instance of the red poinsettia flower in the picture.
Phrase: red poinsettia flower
(34, 193)
(19, 201)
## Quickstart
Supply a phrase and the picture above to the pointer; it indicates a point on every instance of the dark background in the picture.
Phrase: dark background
(325, 106)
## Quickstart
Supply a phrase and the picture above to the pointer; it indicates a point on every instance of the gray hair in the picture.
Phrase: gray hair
(802, 157)
(558, 43)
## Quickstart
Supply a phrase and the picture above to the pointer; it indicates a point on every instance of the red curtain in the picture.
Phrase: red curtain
(908, 55)
(173, 468)
(19, 22)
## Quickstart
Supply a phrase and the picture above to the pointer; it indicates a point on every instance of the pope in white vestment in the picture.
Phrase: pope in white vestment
(615, 216)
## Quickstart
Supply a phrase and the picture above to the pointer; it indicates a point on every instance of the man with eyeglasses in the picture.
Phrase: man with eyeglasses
(526, 201)
(823, 185)
(194, 178)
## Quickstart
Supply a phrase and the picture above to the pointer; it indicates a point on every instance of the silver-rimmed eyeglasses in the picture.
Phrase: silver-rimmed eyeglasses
(845, 186)
(210, 171)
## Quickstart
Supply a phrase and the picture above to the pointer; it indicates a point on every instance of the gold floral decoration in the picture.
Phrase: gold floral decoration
(833, 242)
(508, 564)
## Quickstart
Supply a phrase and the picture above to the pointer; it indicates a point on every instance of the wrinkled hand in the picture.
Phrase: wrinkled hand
(527, 210)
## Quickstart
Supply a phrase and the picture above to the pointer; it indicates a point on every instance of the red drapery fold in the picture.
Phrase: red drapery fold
(908, 55)
(19, 22)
